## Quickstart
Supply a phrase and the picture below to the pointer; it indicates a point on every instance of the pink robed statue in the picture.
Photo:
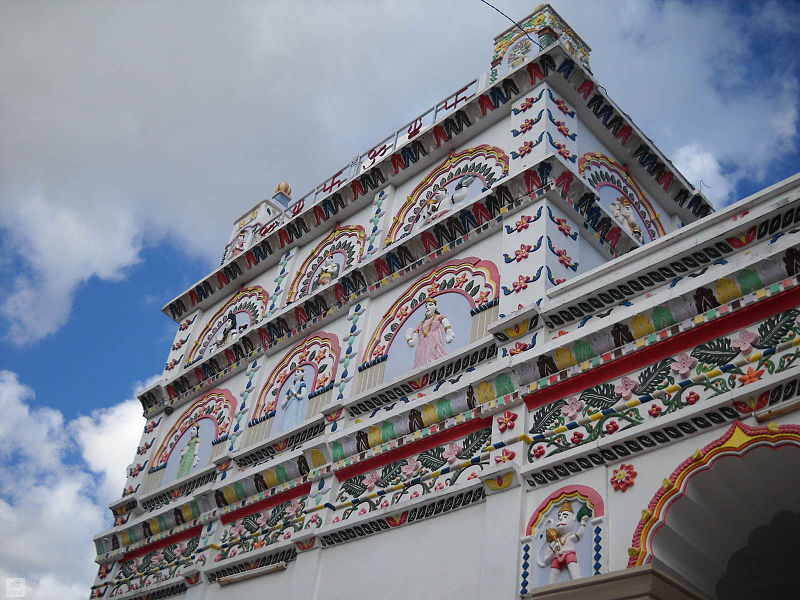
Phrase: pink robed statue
(431, 335)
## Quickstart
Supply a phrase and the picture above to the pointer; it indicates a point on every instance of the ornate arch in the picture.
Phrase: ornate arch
(347, 241)
(477, 280)
(487, 163)
(583, 493)
(217, 405)
(736, 442)
(603, 171)
(320, 352)
(252, 301)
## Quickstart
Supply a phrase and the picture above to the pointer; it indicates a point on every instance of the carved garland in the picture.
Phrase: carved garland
(601, 171)
(487, 163)
(250, 300)
(217, 405)
(320, 351)
(477, 280)
(347, 241)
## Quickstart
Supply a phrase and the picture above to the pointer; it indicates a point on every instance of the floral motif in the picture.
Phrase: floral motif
(379, 350)
(612, 426)
(482, 298)
(539, 451)
(461, 280)
(523, 223)
(654, 410)
(562, 106)
(523, 252)
(562, 127)
(527, 125)
(451, 452)
(526, 104)
(295, 509)
(563, 227)
(521, 283)
(411, 467)
(526, 148)
(622, 478)
(572, 408)
(692, 397)
(625, 388)
(683, 364)
(371, 479)
(506, 456)
(752, 404)
(563, 258)
(506, 421)
(751, 376)
(518, 347)
(577, 437)
(744, 343)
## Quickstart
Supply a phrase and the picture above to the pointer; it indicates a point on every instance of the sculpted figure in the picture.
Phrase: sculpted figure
(294, 409)
(328, 271)
(190, 455)
(622, 211)
(431, 335)
(560, 545)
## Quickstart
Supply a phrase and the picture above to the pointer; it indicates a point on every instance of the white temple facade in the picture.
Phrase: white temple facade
(510, 351)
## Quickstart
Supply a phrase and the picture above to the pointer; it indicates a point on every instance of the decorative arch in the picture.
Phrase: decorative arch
(602, 171)
(738, 441)
(217, 405)
(250, 302)
(486, 163)
(475, 279)
(345, 243)
(320, 352)
(585, 494)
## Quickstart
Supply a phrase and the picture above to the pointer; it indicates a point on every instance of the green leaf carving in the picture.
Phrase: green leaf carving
(390, 472)
(652, 376)
(774, 329)
(546, 416)
(249, 523)
(600, 396)
(717, 352)
(432, 459)
(355, 485)
(474, 442)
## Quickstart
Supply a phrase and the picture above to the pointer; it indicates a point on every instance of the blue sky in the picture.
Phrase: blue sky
(132, 135)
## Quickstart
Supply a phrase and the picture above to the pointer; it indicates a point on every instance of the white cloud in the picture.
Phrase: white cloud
(50, 505)
(131, 123)
(702, 168)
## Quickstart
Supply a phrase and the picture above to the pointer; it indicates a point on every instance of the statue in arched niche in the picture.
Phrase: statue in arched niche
(431, 335)
(441, 202)
(561, 538)
(327, 272)
(228, 332)
(622, 210)
(190, 454)
(293, 405)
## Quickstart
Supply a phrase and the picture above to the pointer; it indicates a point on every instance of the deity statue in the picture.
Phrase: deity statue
(622, 211)
(227, 332)
(561, 542)
(239, 243)
(431, 335)
(328, 271)
(190, 455)
(294, 409)
(430, 209)
(440, 201)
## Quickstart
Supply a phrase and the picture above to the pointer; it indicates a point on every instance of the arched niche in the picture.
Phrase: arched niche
(451, 184)
(708, 507)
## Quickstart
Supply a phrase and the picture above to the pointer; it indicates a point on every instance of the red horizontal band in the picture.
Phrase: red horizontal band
(174, 539)
(266, 503)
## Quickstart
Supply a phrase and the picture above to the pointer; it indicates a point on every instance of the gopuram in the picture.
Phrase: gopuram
(509, 351)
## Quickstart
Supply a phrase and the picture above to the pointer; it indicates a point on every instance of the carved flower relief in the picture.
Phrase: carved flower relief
(744, 343)
(683, 364)
(622, 478)
(625, 387)
(572, 408)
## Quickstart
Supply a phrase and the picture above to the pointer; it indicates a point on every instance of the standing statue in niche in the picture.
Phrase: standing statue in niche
(560, 546)
(622, 211)
(440, 201)
(190, 455)
(431, 335)
(328, 271)
(294, 409)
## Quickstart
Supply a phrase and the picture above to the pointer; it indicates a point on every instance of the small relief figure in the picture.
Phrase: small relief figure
(441, 202)
(146, 531)
(327, 272)
(114, 542)
(431, 335)
(190, 455)
(560, 546)
(622, 211)
(178, 515)
(471, 402)
(293, 405)
(362, 441)
(461, 189)
(219, 498)
(430, 210)
(226, 333)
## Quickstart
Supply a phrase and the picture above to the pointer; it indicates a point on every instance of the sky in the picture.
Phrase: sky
(132, 134)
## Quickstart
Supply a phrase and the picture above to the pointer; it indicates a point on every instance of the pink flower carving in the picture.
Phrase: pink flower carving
(683, 364)
(472, 476)
(439, 487)
(744, 343)
(692, 397)
(336, 519)
(411, 467)
(572, 408)
(523, 252)
(288, 534)
(237, 531)
(518, 347)
(523, 223)
(415, 495)
(294, 509)
(577, 437)
(539, 451)
(654, 410)
(363, 511)
(506, 456)
(625, 387)
(385, 504)
(371, 479)
(526, 148)
(451, 453)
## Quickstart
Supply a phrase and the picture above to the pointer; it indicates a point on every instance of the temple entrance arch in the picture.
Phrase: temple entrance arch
(721, 505)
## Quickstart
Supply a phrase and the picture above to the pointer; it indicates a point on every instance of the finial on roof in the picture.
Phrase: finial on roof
(283, 188)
